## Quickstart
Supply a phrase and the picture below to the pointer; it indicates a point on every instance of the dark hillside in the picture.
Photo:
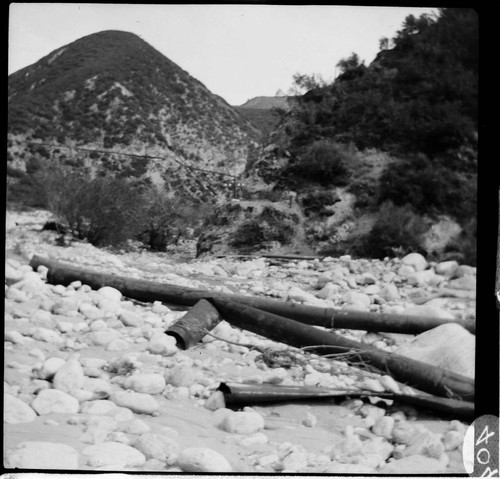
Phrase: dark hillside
(112, 90)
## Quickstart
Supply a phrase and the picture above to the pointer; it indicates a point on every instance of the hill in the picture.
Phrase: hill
(263, 111)
(384, 159)
(267, 102)
(113, 92)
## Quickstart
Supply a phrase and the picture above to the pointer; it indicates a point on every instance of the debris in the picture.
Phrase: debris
(425, 377)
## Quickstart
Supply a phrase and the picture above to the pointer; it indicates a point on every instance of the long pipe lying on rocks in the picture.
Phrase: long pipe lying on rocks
(240, 395)
(428, 378)
(150, 291)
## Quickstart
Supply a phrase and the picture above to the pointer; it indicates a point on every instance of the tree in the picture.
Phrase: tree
(349, 63)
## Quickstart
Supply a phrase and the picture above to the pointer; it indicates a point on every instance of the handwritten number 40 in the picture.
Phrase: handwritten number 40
(483, 455)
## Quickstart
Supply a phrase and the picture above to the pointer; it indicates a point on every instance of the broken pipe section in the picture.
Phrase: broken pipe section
(191, 328)
(238, 395)
(428, 378)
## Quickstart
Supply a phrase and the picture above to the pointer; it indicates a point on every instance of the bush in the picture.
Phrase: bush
(430, 187)
(464, 248)
(366, 191)
(314, 202)
(270, 225)
(104, 211)
(324, 163)
(168, 218)
(397, 231)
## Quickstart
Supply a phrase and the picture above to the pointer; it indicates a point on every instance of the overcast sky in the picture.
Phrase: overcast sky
(236, 51)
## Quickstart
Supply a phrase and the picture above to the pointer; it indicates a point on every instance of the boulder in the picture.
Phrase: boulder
(156, 446)
(42, 455)
(202, 459)
(113, 454)
(449, 346)
(146, 383)
(241, 422)
(416, 260)
(54, 401)
(137, 402)
(16, 411)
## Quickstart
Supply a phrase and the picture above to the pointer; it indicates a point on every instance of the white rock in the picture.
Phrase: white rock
(356, 299)
(113, 454)
(421, 277)
(162, 344)
(42, 455)
(329, 291)
(405, 270)
(297, 294)
(465, 270)
(389, 292)
(16, 411)
(90, 311)
(135, 426)
(17, 295)
(98, 407)
(118, 344)
(240, 422)
(14, 337)
(110, 293)
(146, 383)
(427, 310)
(247, 267)
(50, 401)
(69, 377)
(137, 402)
(256, 439)
(130, 318)
(416, 260)
(452, 440)
(389, 384)
(156, 446)
(202, 459)
(447, 268)
(384, 426)
(449, 346)
(180, 376)
(416, 464)
(103, 338)
(310, 421)
(47, 336)
(371, 385)
(467, 282)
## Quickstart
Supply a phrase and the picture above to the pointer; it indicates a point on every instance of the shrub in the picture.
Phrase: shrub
(429, 187)
(397, 231)
(365, 190)
(323, 162)
(314, 202)
(104, 211)
(464, 248)
(270, 225)
(167, 218)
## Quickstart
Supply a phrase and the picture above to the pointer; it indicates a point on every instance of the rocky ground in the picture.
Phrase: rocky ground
(91, 382)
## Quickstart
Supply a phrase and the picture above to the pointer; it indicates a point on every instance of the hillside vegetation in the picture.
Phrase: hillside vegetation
(416, 103)
(113, 92)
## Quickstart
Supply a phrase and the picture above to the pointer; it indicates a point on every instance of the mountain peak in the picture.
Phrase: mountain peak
(112, 90)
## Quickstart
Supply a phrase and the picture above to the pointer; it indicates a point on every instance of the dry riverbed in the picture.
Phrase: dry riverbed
(91, 382)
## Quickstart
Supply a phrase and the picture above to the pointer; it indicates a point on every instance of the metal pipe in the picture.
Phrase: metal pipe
(238, 395)
(191, 328)
(150, 291)
(428, 378)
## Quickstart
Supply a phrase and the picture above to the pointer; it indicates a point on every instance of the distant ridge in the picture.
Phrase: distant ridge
(267, 102)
